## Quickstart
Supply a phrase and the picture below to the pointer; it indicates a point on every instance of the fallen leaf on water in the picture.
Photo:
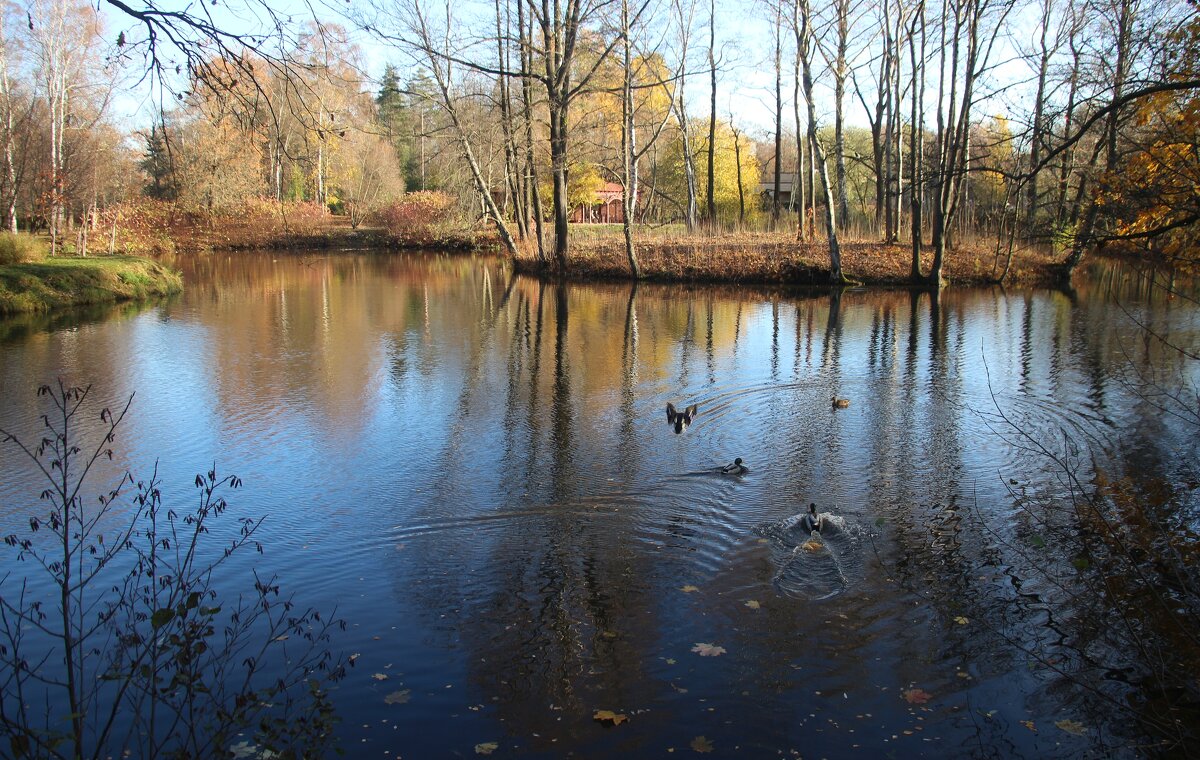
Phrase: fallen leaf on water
(608, 715)
(753, 604)
(354, 657)
(1072, 727)
(379, 677)
(961, 620)
(689, 589)
(284, 637)
(670, 660)
(244, 749)
(702, 744)
(1029, 724)
(916, 696)
(397, 697)
(811, 545)
(486, 748)
(679, 689)
(708, 650)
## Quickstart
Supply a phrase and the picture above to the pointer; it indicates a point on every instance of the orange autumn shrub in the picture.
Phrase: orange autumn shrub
(142, 227)
(145, 226)
(423, 217)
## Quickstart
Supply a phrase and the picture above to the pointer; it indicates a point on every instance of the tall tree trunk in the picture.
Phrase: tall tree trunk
(712, 114)
(778, 119)
(679, 106)
(1039, 108)
(1083, 237)
(797, 196)
(512, 163)
(818, 156)
(9, 198)
(842, 8)
(889, 116)
(955, 146)
(439, 64)
(628, 144)
(524, 31)
(898, 115)
(916, 122)
(1067, 157)
(737, 157)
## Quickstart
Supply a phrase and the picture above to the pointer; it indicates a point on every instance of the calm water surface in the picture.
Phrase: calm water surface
(477, 471)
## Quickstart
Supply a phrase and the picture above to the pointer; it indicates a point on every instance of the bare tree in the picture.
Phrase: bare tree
(818, 153)
(685, 11)
(440, 60)
(970, 39)
(710, 195)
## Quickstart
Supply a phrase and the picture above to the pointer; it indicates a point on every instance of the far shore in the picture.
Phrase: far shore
(669, 254)
(774, 259)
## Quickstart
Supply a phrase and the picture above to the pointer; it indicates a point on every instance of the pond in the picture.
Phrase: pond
(476, 469)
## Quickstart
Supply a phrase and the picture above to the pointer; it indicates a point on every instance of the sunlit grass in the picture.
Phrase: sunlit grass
(66, 281)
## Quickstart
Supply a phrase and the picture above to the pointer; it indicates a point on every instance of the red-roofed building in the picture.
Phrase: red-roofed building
(608, 208)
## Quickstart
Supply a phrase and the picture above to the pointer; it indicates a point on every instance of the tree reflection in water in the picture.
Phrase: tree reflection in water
(474, 466)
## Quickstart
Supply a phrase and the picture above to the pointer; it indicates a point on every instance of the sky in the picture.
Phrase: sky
(745, 37)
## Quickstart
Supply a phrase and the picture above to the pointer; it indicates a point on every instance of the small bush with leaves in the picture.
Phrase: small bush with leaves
(18, 248)
(420, 218)
(118, 641)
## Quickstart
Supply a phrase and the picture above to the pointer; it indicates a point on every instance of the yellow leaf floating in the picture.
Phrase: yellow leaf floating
(689, 589)
(1072, 727)
(812, 545)
(708, 650)
(702, 744)
(1029, 724)
(608, 715)
(961, 620)
(753, 604)
(486, 748)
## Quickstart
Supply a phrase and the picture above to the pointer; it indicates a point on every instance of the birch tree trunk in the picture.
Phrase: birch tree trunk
(628, 144)
(818, 155)
(710, 195)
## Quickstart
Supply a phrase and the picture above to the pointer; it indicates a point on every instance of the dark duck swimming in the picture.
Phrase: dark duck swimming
(735, 468)
(681, 419)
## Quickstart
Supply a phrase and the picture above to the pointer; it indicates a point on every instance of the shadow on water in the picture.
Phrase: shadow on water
(14, 329)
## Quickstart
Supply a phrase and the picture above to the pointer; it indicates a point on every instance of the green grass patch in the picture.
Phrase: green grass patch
(61, 281)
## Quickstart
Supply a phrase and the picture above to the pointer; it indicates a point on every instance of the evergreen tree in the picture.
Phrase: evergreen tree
(396, 118)
(157, 164)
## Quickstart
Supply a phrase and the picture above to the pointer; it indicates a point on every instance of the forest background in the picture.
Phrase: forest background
(990, 125)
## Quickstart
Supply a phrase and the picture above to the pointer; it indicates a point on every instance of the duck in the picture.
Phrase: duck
(681, 419)
(736, 468)
(811, 521)
(841, 403)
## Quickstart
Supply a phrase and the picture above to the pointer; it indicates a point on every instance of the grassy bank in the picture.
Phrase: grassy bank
(56, 282)
(777, 259)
